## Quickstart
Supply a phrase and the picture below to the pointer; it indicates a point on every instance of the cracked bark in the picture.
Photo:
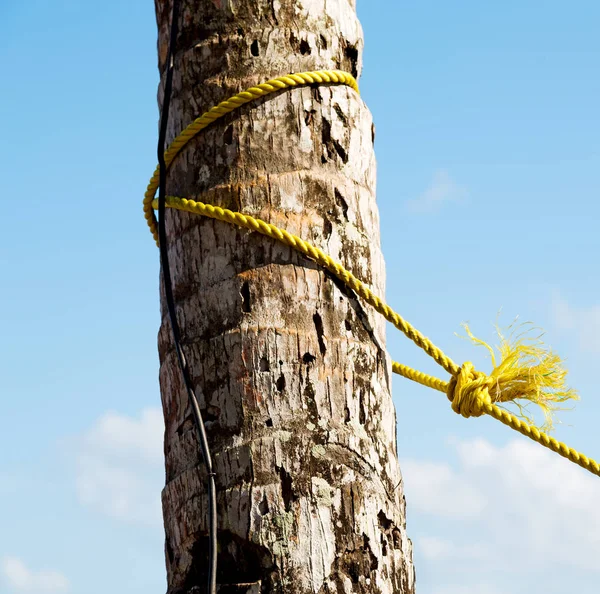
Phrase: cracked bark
(291, 370)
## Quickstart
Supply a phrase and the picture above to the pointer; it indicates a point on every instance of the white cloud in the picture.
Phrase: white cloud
(22, 579)
(441, 190)
(540, 510)
(584, 322)
(117, 434)
(429, 480)
(120, 466)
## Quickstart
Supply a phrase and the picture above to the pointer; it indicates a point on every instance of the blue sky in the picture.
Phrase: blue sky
(488, 185)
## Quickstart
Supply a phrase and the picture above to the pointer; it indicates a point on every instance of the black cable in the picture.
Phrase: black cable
(164, 257)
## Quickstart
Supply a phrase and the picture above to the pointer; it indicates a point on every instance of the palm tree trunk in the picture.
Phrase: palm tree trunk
(292, 370)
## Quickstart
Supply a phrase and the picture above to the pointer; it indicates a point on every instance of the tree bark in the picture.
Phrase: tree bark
(293, 376)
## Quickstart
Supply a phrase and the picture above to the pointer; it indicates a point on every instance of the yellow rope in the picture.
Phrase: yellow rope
(523, 372)
(214, 113)
(503, 416)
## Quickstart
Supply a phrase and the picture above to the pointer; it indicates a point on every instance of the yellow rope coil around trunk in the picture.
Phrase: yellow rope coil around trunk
(526, 372)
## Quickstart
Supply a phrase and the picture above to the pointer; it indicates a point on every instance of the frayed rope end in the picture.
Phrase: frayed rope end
(528, 372)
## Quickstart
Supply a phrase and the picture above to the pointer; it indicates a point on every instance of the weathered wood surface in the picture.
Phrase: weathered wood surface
(292, 369)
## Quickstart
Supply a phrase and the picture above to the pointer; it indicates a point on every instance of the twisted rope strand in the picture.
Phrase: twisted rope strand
(327, 262)
(214, 113)
(507, 419)
(468, 390)
(542, 438)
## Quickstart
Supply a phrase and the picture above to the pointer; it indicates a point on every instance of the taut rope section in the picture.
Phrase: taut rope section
(525, 372)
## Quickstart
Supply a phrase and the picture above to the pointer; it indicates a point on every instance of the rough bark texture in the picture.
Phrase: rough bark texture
(291, 368)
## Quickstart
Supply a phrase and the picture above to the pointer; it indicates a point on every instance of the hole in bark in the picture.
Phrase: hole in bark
(254, 48)
(228, 135)
(264, 364)
(245, 293)
(367, 548)
(269, 422)
(211, 413)
(362, 416)
(300, 46)
(346, 415)
(323, 159)
(305, 47)
(351, 52)
(317, 94)
(348, 325)
(341, 202)
(318, 321)
(341, 151)
(353, 571)
(360, 562)
(308, 116)
(384, 522)
(280, 383)
(340, 113)
(286, 487)
(327, 228)
(330, 144)
(397, 538)
(240, 561)
(326, 132)
(323, 42)
(383, 546)
(263, 506)
(280, 362)
(308, 358)
(240, 32)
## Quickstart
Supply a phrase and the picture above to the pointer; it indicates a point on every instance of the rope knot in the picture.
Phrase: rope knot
(469, 391)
